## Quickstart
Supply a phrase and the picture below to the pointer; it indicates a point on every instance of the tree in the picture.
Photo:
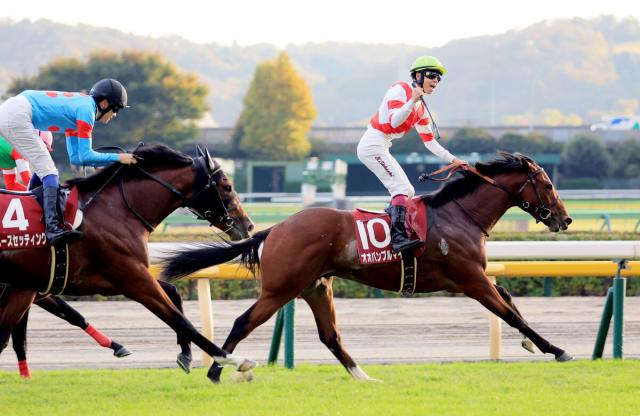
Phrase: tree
(585, 156)
(164, 102)
(471, 139)
(277, 114)
(528, 145)
(627, 160)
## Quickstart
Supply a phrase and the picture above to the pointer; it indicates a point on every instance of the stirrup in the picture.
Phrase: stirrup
(63, 236)
(404, 245)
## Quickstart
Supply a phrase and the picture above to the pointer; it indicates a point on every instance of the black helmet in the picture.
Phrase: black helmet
(113, 91)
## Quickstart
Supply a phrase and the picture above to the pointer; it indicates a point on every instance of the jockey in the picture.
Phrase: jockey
(73, 113)
(402, 108)
(13, 164)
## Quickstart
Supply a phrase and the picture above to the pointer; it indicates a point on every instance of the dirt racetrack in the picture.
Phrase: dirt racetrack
(373, 331)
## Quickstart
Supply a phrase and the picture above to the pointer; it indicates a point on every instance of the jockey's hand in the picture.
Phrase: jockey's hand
(460, 162)
(127, 159)
(416, 94)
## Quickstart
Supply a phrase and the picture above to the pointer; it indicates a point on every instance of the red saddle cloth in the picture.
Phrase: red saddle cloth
(22, 215)
(373, 232)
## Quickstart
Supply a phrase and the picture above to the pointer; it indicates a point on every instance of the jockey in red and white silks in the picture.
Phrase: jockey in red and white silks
(401, 109)
(397, 114)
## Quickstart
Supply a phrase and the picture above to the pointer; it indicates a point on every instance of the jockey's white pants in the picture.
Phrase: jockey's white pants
(373, 151)
(17, 128)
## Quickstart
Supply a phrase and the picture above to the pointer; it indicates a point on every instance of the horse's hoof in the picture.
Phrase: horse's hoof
(242, 364)
(246, 365)
(563, 357)
(240, 377)
(184, 362)
(121, 352)
(214, 373)
(528, 345)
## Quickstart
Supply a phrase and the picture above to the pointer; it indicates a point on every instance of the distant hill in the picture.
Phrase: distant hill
(577, 66)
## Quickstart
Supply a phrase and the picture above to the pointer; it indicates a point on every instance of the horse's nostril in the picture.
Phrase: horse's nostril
(568, 220)
(251, 227)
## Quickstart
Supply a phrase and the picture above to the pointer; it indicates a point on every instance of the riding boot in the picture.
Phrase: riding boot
(53, 225)
(399, 239)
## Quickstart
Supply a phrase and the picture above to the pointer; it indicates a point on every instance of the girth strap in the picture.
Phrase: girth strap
(59, 269)
(408, 270)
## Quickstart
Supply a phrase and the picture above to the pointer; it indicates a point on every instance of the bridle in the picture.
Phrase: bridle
(539, 211)
(205, 178)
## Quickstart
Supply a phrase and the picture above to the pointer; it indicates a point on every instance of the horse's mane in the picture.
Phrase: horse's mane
(467, 182)
(152, 155)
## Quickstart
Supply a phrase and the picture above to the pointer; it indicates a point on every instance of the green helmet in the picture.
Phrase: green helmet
(428, 62)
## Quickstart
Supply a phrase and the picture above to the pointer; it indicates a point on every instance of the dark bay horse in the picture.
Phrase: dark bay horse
(300, 255)
(122, 205)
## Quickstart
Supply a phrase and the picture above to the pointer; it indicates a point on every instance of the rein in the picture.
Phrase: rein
(224, 217)
(543, 211)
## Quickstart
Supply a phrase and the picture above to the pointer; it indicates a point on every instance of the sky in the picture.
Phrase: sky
(280, 22)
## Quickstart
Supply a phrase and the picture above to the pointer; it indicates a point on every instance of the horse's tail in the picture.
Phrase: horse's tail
(189, 261)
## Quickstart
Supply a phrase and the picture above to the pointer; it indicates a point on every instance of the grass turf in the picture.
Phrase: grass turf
(481, 388)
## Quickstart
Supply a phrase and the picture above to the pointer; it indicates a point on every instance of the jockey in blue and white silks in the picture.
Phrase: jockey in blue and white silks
(74, 114)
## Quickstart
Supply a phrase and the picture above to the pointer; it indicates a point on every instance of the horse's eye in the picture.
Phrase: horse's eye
(227, 188)
(548, 186)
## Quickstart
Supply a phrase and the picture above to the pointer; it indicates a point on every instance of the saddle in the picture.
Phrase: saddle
(23, 227)
(373, 236)
(21, 213)
(373, 232)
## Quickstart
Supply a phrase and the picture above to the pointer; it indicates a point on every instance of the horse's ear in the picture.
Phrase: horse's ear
(209, 159)
(199, 151)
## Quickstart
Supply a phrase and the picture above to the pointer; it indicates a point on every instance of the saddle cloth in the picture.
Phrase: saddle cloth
(373, 232)
(22, 218)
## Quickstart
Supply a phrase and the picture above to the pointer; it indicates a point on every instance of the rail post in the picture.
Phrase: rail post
(495, 332)
(603, 330)
(275, 339)
(284, 320)
(619, 292)
(547, 288)
(206, 315)
(289, 334)
(614, 305)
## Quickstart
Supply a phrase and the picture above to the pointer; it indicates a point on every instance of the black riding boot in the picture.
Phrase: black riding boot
(399, 239)
(52, 220)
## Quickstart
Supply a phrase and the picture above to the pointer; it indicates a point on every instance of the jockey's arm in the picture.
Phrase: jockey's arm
(80, 150)
(426, 134)
(398, 105)
(11, 180)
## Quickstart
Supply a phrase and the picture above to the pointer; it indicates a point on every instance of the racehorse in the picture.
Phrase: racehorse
(300, 255)
(121, 206)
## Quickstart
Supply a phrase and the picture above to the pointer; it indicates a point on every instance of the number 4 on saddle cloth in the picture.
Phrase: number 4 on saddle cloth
(22, 217)
(373, 232)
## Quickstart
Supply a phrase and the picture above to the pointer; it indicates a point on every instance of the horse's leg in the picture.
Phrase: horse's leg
(13, 305)
(19, 342)
(525, 343)
(58, 307)
(148, 292)
(484, 292)
(256, 315)
(319, 296)
(184, 357)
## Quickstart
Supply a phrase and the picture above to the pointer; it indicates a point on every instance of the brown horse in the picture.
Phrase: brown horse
(300, 255)
(122, 205)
